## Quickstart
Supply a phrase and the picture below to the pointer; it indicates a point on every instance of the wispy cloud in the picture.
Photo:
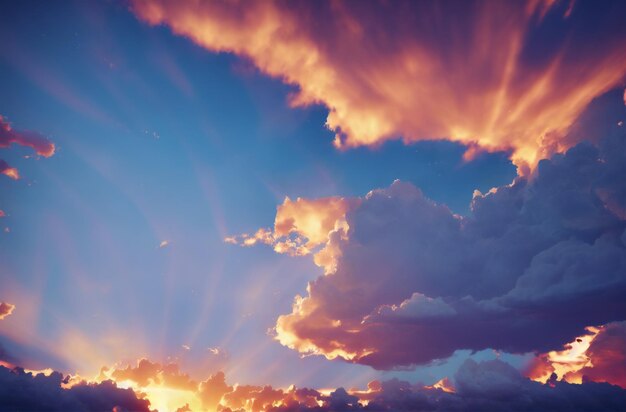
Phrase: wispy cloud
(8, 136)
(476, 72)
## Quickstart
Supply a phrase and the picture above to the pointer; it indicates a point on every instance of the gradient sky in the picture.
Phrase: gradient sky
(113, 248)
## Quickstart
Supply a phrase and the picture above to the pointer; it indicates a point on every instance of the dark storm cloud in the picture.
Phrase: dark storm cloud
(21, 391)
(6, 309)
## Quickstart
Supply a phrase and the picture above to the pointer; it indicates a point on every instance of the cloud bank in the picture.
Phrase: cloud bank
(492, 75)
(599, 356)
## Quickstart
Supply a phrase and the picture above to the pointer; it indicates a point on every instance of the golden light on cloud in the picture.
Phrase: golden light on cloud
(11, 172)
(303, 227)
(6, 309)
(466, 77)
(565, 363)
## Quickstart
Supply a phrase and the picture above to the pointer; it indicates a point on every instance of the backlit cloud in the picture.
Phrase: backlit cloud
(492, 75)
(5, 309)
(485, 386)
(40, 144)
(532, 265)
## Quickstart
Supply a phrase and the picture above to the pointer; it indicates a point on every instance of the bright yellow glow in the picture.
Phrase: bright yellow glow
(567, 362)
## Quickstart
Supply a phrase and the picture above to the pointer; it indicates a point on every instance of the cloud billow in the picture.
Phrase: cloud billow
(530, 267)
(23, 391)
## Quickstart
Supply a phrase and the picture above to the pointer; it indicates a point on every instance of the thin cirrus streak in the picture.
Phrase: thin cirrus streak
(302, 226)
(474, 72)
(9, 171)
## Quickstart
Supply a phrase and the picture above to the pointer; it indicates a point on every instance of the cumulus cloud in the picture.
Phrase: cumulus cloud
(530, 267)
(146, 373)
(491, 75)
(5, 309)
(9, 171)
(485, 386)
(24, 391)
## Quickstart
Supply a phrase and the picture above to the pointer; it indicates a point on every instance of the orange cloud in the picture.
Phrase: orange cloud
(599, 356)
(6, 309)
(473, 72)
(563, 363)
(9, 171)
(302, 226)
(37, 142)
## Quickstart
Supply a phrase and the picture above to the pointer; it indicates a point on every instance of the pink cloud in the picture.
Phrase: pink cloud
(41, 145)
(303, 227)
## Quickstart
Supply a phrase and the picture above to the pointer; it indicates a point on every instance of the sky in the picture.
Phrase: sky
(199, 196)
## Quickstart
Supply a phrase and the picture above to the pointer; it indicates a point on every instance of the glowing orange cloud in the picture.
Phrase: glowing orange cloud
(37, 142)
(470, 72)
(598, 356)
(6, 309)
(302, 226)
(9, 171)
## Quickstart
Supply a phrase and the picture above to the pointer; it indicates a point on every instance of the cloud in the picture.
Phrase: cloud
(485, 386)
(23, 391)
(9, 171)
(147, 373)
(607, 355)
(532, 265)
(40, 144)
(302, 226)
(492, 75)
(5, 309)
